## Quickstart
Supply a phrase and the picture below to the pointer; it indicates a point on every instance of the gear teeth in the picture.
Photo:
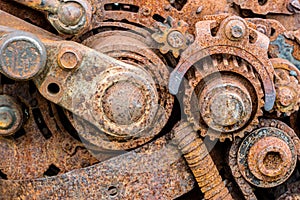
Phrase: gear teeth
(164, 49)
(215, 63)
(163, 36)
(225, 61)
(176, 53)
(241, 68)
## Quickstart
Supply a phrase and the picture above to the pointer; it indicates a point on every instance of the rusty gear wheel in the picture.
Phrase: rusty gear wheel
(287, 79)
(268, 155)
(173, 36)
(224, 97)
(133, 110)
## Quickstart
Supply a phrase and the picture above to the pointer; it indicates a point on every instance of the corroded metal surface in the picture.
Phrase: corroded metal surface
(268, 156)
(287, 78)
(94, 116)
(200, 162)
(152, 172)
(225, 101)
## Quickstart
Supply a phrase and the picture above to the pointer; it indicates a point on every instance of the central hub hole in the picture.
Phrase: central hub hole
(272, 160)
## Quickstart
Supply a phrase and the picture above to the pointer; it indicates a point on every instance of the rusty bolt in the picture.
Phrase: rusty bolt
(225, 104)
(22, 55)
(235, 30)
(72, 17)
(176, 39)
(286, 96)
(69, 58)
(267, 157)
(70, 13)
(124, 111)
(11, 115)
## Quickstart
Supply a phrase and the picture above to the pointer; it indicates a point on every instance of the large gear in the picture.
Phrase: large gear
(229, 84)
(224, 97)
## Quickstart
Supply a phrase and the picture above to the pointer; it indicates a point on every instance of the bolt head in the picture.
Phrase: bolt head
(22, 55)
(235, 30)
(176, 39)
(69, 58)
(7, 117)
(11, 115)
(70, 13)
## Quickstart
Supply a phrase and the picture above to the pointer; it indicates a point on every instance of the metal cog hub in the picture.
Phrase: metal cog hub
(225, 105)
(287, 84)
(124, 112)
(269, 154)
(133, 104)
(173, 36)
(226, 98)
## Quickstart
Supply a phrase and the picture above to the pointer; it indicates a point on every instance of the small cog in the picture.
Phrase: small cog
(173, 36)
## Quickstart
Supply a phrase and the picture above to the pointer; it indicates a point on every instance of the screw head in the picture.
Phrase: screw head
(176, 39)
(7, 117)
(22, 55)
(235, 30)
(11, 115)
(69, 58)
(70, 13)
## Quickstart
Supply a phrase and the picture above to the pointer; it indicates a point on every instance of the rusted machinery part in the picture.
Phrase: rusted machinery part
(67, 17)
(232, 37)
(39, 148)
(224, 95)
(287, 85)
(93, 87)
(224, 101)
(141, 12)
(132, 49)
(11, 115)
(151, 172)
(287, 49)
(172, 36)
(200, 162)
(22, 55)
(245, 187)
(271, 28)
(268, 155)
(87, 80)
(292, 193)
(264, 7)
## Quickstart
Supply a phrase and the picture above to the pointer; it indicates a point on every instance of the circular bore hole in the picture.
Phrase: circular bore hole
(112, 191)
(53, 88)
(272, 160)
